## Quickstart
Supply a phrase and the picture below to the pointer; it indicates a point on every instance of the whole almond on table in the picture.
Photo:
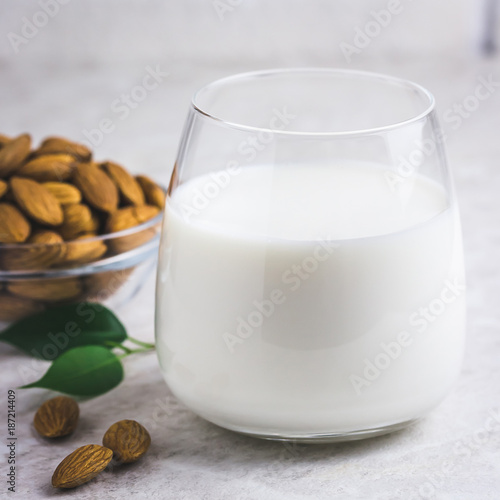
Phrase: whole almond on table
(13, 308)
(78, 219)
(81, 466)
(14, 227)
(154, 194)
(36, 201)
(13, 154)
(64, 193)
(57, 417)
(97, 189)
(46, 249)
(130, 190)
(47, 289)
(48, 168)
(128, 440)
(56, 145)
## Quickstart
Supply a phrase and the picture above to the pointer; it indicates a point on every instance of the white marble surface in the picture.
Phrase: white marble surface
(50, 88)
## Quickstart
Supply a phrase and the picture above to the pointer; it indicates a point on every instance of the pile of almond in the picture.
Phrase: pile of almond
(55, 203)
(126, 441)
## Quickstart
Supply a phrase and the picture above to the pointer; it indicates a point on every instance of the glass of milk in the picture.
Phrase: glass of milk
(311, 279)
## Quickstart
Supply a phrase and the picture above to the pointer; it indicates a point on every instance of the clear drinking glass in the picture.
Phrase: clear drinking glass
(311, 279)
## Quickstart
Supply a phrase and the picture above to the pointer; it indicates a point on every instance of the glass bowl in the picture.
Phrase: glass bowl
(108, 268)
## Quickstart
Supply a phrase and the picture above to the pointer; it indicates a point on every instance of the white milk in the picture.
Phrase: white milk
(303, 300)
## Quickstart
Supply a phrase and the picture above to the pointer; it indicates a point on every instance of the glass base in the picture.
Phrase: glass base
(325, 437)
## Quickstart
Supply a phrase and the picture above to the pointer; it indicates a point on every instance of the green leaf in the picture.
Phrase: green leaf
(83, 371)
(50, 333)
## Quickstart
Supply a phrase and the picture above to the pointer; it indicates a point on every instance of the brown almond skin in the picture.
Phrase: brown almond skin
(36, 201)
(128, 217)
(128, 439)
(3, 188)
(123, 244)
(13, 154)
(80, 251)
(130, 190)
(57, 417)
(53, 247)
(78, 219)
(81, 466)
(45, 236)
(13, 308)
(47, 289)
(46, 248)
(97, 189)
(48, 168)
(14, 227)
(4, 140)
(64, 193)
(56, 145)
(154, 194)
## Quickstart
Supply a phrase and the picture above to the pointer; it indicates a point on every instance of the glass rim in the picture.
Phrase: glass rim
(325, 71)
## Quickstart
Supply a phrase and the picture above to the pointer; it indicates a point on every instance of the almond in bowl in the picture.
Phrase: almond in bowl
(71, 228)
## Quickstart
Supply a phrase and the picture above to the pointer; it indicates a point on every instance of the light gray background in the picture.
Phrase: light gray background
(64, 81)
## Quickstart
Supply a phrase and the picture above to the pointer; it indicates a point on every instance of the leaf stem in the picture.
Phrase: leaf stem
(133, 351)
(142, 344)
(119, 346)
